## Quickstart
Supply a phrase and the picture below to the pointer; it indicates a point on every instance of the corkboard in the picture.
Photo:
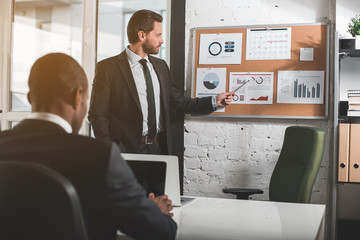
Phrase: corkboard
(302, 36)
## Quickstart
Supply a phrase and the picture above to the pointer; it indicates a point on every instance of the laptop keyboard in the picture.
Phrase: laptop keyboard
(185, 200)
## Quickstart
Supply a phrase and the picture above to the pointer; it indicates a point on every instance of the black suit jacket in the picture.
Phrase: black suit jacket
(115, 111)
(110, 196)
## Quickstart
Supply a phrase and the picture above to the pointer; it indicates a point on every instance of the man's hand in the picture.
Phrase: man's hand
(164, 203)
(223, 99)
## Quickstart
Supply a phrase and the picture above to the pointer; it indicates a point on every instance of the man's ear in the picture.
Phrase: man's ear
(28, 97)
(77, 97)
(141, 35)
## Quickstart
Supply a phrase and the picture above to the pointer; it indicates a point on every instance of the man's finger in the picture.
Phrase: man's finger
(164, 197)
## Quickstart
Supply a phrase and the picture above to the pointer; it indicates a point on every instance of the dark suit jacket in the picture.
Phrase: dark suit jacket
(115, 111)
(110, 196)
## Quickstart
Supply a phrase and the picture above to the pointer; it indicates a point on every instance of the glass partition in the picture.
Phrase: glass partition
(113, 16)
(41, 27)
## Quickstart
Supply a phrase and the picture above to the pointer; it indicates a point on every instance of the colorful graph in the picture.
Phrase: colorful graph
(303, 91)
(262, 98)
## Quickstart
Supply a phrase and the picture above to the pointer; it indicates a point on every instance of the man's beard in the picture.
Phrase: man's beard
(149, 49)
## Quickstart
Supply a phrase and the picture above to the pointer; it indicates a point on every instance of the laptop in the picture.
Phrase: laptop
(158, 174)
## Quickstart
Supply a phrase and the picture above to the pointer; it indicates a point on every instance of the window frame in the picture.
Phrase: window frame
(6, 26)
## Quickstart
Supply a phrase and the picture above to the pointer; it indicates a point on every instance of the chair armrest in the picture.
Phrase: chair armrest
(242, 193)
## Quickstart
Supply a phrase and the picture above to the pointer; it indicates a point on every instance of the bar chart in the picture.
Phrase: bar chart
(303, 91)
(305, 87)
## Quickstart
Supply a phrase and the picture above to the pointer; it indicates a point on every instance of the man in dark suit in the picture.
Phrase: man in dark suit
(129, 110)
(109, 193)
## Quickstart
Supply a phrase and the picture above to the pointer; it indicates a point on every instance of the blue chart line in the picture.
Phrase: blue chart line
(303, 91)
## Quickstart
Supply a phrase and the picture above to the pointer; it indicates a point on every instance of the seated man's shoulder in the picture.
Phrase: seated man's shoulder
(85, 145)
(88, 140)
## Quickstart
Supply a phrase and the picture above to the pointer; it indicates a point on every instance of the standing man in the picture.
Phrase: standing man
(133, 95)
(110, 195)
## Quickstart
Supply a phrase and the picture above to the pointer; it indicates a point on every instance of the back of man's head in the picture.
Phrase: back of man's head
(54, 78)
(141, 20)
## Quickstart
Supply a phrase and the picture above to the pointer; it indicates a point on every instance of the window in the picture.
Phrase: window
(40, 27)
(113, 17)
(31, 29)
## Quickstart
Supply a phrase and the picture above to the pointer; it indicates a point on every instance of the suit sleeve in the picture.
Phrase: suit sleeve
(181, 104)
(100, 103)
(128, 207)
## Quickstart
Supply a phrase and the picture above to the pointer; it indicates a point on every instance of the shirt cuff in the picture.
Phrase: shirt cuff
(213, 102)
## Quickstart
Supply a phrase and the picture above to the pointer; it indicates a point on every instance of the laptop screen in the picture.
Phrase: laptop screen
(154, 169)
(151, 175)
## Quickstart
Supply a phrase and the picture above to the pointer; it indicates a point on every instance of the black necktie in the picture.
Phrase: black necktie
(150, 100)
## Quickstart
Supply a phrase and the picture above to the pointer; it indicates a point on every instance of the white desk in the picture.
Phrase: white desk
(223, 219)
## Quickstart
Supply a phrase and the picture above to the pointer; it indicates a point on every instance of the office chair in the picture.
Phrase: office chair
(295, 172)
(38, 203)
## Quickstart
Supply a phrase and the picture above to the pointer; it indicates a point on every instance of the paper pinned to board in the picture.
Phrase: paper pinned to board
(268, 43)
(211, 82)
(222, 48)
(305, 87)
(252, 87)
(306, 54)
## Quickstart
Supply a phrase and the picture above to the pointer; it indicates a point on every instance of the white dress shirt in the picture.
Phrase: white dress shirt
(51, 118)
(140, 82)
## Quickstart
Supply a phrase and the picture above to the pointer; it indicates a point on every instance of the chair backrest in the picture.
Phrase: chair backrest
(299, 162)
(38, 203)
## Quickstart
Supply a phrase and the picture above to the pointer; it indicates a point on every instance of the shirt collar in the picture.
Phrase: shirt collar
(133, 57)
(51, 118)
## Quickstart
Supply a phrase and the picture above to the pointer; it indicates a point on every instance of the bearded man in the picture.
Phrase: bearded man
(133, 94)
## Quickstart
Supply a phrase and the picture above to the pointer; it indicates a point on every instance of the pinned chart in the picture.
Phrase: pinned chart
(211, 81)
(252, 87)
(300, 87)
(224, 48)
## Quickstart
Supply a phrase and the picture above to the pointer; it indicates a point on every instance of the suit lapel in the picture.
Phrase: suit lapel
(162, 82)
(129, 79)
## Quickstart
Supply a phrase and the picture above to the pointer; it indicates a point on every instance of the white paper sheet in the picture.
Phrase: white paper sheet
(300, 87)
(268, 43)
(258, 87)
(221, 48)
(306, 54)
(210, 82)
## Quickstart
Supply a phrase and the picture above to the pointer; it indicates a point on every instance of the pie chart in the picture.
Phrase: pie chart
(211, 81)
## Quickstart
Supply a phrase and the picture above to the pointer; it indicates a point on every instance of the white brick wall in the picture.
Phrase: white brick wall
(236, 152)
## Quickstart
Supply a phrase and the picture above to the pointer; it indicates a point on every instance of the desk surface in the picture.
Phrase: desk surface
(215, 218)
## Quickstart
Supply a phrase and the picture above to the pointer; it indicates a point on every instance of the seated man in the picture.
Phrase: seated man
(109, 193)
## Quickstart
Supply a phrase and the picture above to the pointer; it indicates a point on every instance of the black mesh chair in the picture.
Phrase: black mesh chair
(38, 203)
